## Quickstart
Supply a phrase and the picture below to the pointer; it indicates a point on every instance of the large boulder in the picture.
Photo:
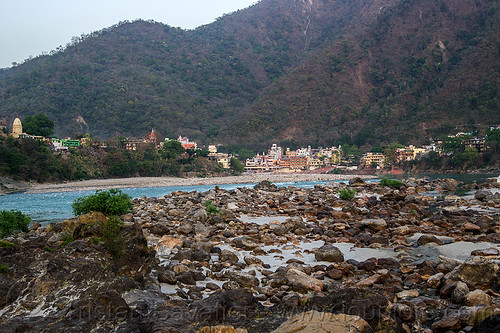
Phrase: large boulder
(476, 272)
(294, 276)
(329, 253)
(324, 322)
(374, 224)
(356, 181)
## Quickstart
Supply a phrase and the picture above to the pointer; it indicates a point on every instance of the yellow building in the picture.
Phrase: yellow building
(370, 159)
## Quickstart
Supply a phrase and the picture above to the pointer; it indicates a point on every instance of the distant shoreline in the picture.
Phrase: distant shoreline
(101, 184)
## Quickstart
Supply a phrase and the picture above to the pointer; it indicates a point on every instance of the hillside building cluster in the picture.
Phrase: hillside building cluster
(276, 159)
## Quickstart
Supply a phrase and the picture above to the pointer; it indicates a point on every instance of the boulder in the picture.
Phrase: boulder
(356, 181)
(245, 243)
(245, 280)
(478, 297)
(476, 272)
(425, 239)
(458, 294)
(324, 322)
(226, 255)
(166, 244)
(294, 276)
(482, 194)
(329, 253)
(374, 224)
(446, 324)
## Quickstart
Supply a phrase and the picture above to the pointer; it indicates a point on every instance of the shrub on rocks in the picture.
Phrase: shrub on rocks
(394, 183)
(347, 194)
(13, 222)
(111, 202)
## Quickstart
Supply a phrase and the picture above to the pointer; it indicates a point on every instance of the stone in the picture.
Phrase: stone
(229, 256)
(245, 280)
(295, 276)
(186, 278)
(250, 260)
(200, 215)
(167, 277)
(374, 224)
(232, 206)
(329, 253)
(335, 274)
(478, 297)
(446, 324)
(405, 312)
(324, 322)
(476, 272)
(425, 239)
(357, 181)
(185, 228)
(408, 294)
(471, 227)
(491, 252)
(482, 194)
(166, 244)
(435, 280)
(458, 294)
(230, 285)
(245, 243)
(369, 281)
(222, 329)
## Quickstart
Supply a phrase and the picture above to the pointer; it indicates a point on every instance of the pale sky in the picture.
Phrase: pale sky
(30, 27)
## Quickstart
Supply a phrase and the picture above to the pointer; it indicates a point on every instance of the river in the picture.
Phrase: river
(54, 207)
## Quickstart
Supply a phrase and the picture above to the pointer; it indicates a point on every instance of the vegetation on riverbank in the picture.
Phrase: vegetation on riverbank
(32, 160)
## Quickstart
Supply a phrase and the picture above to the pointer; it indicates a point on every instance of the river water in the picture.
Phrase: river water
(54, 207)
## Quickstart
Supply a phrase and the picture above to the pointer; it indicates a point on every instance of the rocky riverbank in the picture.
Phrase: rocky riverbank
(101, 184)
(8, 186)
(267, 259)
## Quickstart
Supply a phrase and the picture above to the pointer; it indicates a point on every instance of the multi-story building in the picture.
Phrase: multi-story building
(477, 143)
(186, 144)
(370, 159)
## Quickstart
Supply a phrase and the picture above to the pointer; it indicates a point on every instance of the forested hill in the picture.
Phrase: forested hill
(296, 71)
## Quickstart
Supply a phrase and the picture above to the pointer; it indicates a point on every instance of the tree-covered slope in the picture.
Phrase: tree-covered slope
(302, 70)
(422, 69)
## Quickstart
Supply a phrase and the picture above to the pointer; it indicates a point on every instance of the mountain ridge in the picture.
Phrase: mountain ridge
(259, 75)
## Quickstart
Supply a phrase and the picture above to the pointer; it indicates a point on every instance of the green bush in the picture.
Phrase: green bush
(391, 182)
(210, 208)
(4, 269)
(5, 244)
(112, 202)
(113, 242)
(67, 238)
(347, 194)
(13, 222)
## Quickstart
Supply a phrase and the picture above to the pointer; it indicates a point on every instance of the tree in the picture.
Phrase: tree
(493, 139)
(171, 149)
(390, 152)
(38, 124)
(236, 165)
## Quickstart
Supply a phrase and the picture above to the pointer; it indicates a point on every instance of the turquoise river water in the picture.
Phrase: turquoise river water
(54, 207)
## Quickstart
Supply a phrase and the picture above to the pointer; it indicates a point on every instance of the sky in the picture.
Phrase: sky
(30, 27)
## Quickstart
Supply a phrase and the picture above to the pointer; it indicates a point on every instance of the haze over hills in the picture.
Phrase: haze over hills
(296, 72)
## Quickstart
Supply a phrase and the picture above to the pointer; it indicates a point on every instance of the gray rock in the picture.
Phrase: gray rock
(245, 243)
(425, 239)
(329, 253)
(374, 224)
(245, 280)
(458, 295)
(229, 256)
(167, 277)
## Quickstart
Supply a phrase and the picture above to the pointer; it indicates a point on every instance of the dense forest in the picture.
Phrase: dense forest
(363, 72)
(32, 160)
